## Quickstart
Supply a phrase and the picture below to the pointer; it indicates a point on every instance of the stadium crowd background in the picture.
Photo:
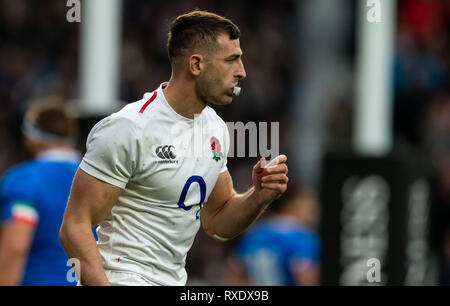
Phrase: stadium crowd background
(39, 56)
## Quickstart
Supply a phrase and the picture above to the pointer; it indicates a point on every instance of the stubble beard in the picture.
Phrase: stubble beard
(207, 87)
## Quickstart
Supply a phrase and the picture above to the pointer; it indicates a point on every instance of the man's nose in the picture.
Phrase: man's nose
(241, 74)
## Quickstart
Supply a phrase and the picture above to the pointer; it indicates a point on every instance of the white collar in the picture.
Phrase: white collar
(60, 155)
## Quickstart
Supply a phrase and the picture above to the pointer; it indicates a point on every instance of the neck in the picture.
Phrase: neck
(182, 97)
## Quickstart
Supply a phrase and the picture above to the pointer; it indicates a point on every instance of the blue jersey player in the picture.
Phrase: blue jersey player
(282, 250)
(33, 196)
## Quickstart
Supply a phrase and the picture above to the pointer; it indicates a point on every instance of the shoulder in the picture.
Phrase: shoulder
(215, 124)
(305, 236)
(139, 114)
(127, 120)
(261, 228)
(20, 170)
(211, 114)
(20, 175)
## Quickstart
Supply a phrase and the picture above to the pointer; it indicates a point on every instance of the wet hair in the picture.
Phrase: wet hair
(197, 31)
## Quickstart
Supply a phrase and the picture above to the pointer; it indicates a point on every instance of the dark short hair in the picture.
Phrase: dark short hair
(54, 116)
(197, 30)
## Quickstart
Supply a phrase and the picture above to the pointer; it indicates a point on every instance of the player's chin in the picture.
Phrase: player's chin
(227, 99)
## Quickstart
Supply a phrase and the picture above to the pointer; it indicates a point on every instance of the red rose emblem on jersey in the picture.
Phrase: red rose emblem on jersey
(216, 149)
(215, 144)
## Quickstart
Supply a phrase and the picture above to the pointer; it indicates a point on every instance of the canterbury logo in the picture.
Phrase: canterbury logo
(165, 152)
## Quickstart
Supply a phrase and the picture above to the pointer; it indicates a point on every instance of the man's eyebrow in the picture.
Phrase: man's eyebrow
(235, 55)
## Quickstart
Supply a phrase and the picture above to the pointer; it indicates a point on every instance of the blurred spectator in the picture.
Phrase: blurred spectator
(422, 106)
(283, 249)
(421, 65)
(33, 196)
(39, 57)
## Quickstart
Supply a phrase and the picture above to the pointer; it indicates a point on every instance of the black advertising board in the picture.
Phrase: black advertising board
(375, 220)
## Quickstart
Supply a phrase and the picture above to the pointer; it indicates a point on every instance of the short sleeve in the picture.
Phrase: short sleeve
(226, 149)
(17, 199)
(113, 151)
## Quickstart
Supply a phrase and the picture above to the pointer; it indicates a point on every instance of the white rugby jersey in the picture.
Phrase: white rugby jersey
(167, 165)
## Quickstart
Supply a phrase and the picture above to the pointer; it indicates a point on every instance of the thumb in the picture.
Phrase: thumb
(259, 167)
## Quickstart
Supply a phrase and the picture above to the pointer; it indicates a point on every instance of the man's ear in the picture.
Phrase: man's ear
(196, 64)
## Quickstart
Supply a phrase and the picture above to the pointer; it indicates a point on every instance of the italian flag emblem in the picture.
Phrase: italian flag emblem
(24, 212)
(216, 149)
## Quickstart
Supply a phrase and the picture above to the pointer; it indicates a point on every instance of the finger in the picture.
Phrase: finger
(272, 163)
(275, 178)
(274, 186)
(282, 168)
(259, 167)
(282, 158)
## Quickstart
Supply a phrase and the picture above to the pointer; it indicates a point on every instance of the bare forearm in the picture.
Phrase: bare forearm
(11, 269)
(237, 214)
(226, 214)
(79, 242)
